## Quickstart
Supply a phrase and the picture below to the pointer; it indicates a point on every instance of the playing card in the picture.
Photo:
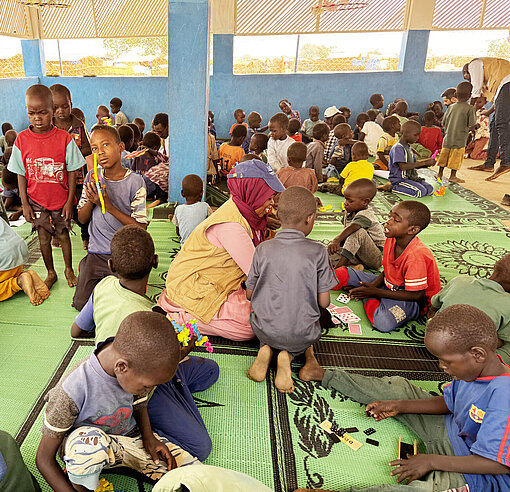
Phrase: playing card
(340, 310)
(343, 298)
(354, 329)
(348, 317)
(335, 321)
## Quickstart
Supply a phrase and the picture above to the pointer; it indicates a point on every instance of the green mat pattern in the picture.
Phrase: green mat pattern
(254, 428)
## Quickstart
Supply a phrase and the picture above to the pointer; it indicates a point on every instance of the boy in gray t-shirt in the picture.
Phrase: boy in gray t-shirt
(290, 278)
(362, 240)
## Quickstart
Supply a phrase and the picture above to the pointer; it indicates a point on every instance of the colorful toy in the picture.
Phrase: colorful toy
(434, 155)
(106, 121)
(95, 177)
(333, 180)
(326, 208)
(105, 486)
(186, 331)
(442, 189)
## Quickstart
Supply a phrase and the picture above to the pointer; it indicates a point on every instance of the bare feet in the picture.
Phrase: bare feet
(481, 167)
(39, 285)
(385, 187)
(51, 278)
(258, 369)
(456, 179)
(499, 172)
(311, 371)
(56, 243)
(27, 284)
(283, 380)
(359, 267)
(71, 277)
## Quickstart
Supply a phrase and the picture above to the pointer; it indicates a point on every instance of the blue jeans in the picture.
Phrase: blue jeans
(500, 129)
(391, 313)
(412, 188)
(174, 414)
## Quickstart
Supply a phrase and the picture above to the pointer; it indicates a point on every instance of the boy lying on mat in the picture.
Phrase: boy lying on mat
(283, 322)
(470, 444)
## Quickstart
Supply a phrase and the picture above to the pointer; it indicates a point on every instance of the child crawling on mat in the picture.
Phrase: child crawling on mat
(96, 416)
(410, 278)
(286, 323)
(465, 431)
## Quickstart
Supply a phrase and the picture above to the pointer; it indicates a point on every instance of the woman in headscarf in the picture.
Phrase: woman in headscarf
(204, 280)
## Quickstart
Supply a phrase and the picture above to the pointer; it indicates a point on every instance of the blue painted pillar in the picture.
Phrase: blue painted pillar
(33, 57)
(413, 53)
(188, 91)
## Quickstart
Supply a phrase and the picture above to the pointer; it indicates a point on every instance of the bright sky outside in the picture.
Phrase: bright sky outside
(388, 44)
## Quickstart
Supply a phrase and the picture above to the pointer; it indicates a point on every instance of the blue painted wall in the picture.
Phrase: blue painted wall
(146, 96)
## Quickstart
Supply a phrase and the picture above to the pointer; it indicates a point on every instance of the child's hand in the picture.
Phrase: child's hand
(67, 211)
(364, 292)
(191, 345)
(273, 223)
(413, 468)
(28, 213)
(427, 163)
(334, 246)
(159, 450)
(107, 202)
(383, 409)
(91, 193)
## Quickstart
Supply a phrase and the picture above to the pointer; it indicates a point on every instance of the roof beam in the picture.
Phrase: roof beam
(419, 14)
(34, 23)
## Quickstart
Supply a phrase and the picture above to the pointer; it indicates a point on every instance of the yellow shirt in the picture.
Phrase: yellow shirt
(357, 170)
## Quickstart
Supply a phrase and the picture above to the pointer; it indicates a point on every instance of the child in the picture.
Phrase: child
(491, 295)
(362, 240)
(401, 110)
(279, 141)
(10, 193)
(358, 168)
(457, 122)
(12, 277)
(437, 108)
(137, 137)
(295, 174)
(212, 126)
(377, 102)
(231, 152)
(103, 116)
(140, 162)
(410, 278)
(188, 216)
(477, 147)
(431, 137)
(346, 112)
(402, 164)
(286, 108)
(391, 126)
(133, 258)
(140, 124)
(79, 114)
(315, 150)
(127, 137)
(160, 128)
(289, 324)
(341, 153)
(124, 196)
(309, 123)
(330, 144)
(258, 146)
(45, 160)
(466, 446)
(213, 157)
(329, 114)
(449, 97)
(239, 116)
(293, 131)
(370, 131)
(120, 117)
(5, 128)
(99, 408)
(254, 122)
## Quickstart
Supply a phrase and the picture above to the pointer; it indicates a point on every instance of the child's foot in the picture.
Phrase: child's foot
(358, 267)
(85, 244)
(384, 187)
(283, 380)
(51, 278)
(311, 371)
(258, 369)
(499, 172)
(27, 284)
(456, 179)
(71, 277)
(56, 243)
(39, 285)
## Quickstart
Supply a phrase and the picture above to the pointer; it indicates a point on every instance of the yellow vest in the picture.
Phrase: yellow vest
(201, 276)
(494, 71)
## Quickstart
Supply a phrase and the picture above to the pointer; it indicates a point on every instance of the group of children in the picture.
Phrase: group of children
(135, 391)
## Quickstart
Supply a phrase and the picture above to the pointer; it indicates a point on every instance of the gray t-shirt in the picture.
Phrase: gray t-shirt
(367, 219)
(457, 121)
(287, 274)
(187, 217)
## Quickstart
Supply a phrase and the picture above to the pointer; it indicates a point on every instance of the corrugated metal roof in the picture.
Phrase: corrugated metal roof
(12, 19)
(497, 14)
(457, 14)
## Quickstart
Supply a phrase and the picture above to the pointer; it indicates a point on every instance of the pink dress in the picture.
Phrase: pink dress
(232, 321)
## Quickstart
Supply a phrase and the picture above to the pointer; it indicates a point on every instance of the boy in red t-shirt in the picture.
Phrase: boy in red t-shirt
(402, 292)
(46, 160)
(431, 137)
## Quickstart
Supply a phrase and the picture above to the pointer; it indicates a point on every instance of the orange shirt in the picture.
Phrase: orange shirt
(229, 157)
(234, 125)
(290, 176)
(297, 137)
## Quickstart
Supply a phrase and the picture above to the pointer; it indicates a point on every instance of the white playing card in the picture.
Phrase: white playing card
(344, 298)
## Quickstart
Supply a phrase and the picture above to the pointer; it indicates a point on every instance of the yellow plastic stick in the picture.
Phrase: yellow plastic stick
(98, 186)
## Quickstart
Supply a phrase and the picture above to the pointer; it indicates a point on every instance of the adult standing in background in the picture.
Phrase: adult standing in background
(490, 77)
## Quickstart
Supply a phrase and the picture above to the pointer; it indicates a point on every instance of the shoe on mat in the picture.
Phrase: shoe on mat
(506, 200)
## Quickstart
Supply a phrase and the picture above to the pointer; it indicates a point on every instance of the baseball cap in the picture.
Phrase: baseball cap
(331, 111)
(257, 169)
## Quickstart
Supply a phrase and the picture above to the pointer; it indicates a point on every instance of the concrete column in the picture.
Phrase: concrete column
(413, 53)
(188, 91)
(33, 57)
